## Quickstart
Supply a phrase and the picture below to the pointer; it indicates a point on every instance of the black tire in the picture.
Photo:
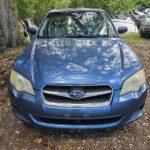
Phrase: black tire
(1, 33)
(2, 41)
(143, 35)
(2, 49)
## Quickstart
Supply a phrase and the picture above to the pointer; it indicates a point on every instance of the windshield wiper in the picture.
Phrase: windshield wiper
(78, 36)
(81, 36)
(95, 36)
(70, 36)
(45, 37)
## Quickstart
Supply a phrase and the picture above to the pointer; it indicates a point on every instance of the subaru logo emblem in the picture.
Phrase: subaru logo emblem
(77, 94)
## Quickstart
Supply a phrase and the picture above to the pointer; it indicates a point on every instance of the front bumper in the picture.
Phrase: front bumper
(122, 110)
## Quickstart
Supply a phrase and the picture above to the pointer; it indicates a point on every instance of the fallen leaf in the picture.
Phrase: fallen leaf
(37, 140)
(17, 132)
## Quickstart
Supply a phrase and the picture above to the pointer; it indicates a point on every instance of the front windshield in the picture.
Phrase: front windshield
(77, 24)
(148, 13)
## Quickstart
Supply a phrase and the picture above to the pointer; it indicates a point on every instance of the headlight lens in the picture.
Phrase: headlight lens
(21, 83)
(134, 83)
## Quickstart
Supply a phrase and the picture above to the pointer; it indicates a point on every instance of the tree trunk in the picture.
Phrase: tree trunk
(8, 22)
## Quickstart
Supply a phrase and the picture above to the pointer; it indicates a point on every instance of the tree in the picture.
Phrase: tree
(111, 6)
(120, 6)
(8, 22)
(24, 8)
(42, 8)
(36, 9)
(145, 3)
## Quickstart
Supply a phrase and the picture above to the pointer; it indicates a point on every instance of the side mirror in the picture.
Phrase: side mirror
(122, 30)
(32, 30)
(26, 34)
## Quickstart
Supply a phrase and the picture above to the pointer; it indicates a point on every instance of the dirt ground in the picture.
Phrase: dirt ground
(14, 135)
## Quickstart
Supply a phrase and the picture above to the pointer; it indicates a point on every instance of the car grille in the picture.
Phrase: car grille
(93, 96)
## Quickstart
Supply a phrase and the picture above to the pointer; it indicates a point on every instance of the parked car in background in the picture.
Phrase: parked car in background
(142, 20)
(78, 74)
(147, 11)
(124, 20)
(145, 24)
(136, 17)
(132, 28)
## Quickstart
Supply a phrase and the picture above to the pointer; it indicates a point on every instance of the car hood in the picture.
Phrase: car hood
(70, 61)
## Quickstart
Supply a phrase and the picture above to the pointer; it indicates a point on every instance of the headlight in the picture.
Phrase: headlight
(21, 83)
(134, 83)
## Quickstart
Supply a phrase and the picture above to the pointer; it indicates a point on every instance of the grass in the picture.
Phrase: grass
(135, 38)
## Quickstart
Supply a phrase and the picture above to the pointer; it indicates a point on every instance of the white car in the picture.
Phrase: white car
(132, 28)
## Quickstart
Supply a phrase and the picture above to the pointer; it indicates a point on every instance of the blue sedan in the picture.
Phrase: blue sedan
(77, 73)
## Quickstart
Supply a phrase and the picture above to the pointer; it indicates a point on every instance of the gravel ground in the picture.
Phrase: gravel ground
(15, 135)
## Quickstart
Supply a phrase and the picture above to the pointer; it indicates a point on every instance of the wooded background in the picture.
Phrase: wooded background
(13, 10)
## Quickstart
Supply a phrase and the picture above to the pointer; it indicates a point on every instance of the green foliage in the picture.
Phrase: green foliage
(41, 8)
(36, 9)
(111, 6)
(145, 3)
(24, 8)
(120, 6)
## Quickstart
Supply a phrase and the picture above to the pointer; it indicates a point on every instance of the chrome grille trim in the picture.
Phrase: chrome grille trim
(87, 105)
(78, 104)
(92, 94)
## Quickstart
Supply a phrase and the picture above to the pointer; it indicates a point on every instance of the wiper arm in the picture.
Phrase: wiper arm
(63, 35)
(101, 36)
(78, 36)
(45, 37)
(70, 36)
(95, 36)
(81, 36)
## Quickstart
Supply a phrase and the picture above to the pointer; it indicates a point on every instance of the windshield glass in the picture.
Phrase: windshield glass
(77, 24)
(148, 13)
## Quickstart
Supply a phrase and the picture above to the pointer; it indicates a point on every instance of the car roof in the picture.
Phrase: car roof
(75, 10)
